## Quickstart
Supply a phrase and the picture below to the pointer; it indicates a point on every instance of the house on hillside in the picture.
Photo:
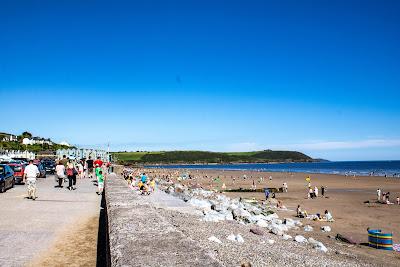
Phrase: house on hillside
(5, 137)
(65, 143)
(37, 140)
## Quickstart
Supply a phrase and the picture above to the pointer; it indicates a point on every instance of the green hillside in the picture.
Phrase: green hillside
(167, 157)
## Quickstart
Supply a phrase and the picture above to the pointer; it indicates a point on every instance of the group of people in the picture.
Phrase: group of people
(316, 217)
(139, 181)
(70, 169)
(67, 169)
(313, 192)
(384, 197)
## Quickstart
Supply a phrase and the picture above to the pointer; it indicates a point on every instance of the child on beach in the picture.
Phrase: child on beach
(398, 200)
(152, 185)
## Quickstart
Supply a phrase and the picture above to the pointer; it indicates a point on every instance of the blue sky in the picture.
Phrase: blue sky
(321, 77)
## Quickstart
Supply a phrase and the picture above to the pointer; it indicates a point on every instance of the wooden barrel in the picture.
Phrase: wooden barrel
(379, 240)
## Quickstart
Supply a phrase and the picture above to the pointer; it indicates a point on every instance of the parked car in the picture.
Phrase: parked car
(18, 169)
(41, 168)
(49, 166)
(21, 160)
(7, 179)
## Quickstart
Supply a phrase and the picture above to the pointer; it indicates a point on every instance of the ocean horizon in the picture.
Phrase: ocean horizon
(389, 168)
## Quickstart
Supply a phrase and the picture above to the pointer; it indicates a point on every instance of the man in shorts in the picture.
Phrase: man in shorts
(90, 165)
(31, 172)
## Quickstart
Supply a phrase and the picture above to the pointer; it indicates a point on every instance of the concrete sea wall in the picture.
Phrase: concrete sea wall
(138, 235)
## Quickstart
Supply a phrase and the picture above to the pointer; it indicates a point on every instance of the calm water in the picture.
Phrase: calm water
(378, 168)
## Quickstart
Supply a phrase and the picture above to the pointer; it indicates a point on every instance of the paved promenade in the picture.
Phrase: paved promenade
(28, 228)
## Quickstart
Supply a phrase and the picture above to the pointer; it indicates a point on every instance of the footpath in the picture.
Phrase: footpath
(29, 228)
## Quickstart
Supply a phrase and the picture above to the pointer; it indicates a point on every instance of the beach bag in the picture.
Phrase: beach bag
(70, 172)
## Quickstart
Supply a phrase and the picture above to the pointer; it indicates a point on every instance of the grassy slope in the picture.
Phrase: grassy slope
(209, 157)
(132, 156)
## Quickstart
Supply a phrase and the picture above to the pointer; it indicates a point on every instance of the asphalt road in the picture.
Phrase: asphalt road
(28, 228)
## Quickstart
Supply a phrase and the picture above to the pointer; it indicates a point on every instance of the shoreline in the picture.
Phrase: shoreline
(175, 167)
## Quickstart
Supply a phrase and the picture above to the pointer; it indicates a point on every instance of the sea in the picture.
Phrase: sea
(351, 168)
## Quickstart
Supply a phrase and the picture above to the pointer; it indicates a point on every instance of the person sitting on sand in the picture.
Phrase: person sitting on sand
(317, 217)
(398, 200)
(300, 213)
(152, 184)
(328, 216)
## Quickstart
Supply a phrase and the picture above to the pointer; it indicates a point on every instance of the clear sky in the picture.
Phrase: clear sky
(322, 77)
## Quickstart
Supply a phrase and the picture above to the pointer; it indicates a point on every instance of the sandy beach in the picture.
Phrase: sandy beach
(344, 198)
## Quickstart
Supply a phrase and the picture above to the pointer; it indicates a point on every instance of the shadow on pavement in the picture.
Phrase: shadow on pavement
(103, 249)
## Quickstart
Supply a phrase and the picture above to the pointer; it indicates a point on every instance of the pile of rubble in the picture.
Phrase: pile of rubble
(216, 207)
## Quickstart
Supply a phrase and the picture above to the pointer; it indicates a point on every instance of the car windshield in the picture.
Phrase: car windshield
(16, 168)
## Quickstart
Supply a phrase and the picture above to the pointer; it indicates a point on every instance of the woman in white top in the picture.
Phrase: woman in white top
(81, 173)
(60, 173)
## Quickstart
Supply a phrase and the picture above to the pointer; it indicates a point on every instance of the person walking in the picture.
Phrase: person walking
(266, 192)
(60, 172)
(378, 194)
(64, 161)
(31, 172)
(285, 187)
(84, 164)
(79, 167)
(71, 174)
(90, 165)
(99, 162)
(100, 180)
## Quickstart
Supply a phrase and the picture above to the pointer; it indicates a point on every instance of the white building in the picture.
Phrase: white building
(10, 138)
(79, 153)
(17, 154)
(64, 143)
(36, 140)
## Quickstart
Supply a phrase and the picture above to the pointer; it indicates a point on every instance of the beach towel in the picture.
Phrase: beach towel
(396, 247)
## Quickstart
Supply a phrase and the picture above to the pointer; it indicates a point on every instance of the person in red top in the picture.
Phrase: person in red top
(98, 161)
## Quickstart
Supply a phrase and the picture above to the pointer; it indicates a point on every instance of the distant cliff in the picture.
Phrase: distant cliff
(184, 157)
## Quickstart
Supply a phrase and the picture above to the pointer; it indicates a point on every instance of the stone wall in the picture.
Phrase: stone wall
(139, 235)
